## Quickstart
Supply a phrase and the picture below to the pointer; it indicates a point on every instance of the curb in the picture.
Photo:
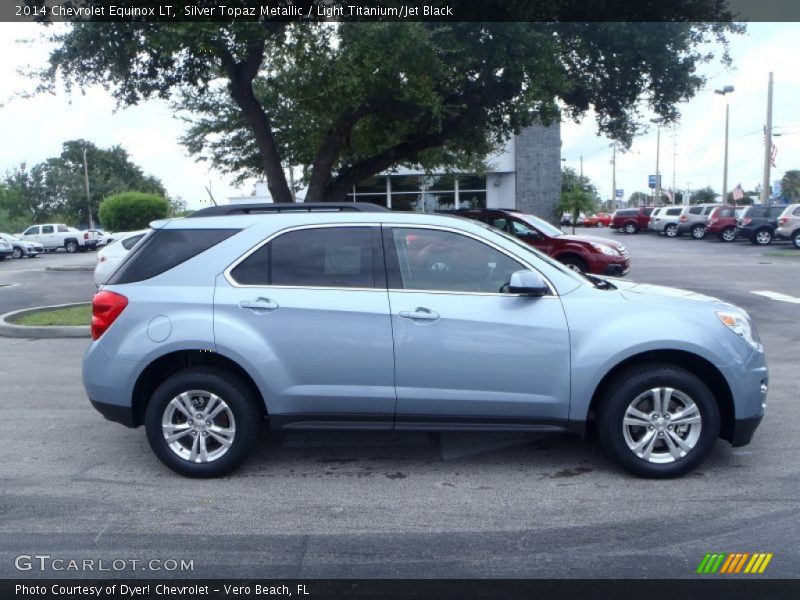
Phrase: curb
(70, 268)
(42, 332)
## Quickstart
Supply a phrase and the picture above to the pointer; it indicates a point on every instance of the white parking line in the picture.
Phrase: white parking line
(778, 296)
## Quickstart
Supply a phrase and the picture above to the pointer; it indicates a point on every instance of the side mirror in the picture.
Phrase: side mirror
(529, 283)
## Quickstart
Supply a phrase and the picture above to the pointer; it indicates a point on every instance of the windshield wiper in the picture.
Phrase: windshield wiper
(601, 284)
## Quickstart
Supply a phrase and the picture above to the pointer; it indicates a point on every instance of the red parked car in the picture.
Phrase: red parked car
(584, 253)
(722, 222)
(632, 220)
(598, 220)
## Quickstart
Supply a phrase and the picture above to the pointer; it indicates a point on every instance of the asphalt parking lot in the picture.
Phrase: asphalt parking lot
(310, 505)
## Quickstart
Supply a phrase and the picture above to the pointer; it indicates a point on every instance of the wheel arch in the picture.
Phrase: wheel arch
(697, 365)
(168, 364)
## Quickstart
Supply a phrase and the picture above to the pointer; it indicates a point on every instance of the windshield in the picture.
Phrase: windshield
(540, 224)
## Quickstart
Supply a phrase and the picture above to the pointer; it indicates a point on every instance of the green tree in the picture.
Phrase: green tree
(575, 202)
(571, 180)
(639, 199)
(349, 100)
(703, 196)
(790, 185)
(132, 210)
(57, 186)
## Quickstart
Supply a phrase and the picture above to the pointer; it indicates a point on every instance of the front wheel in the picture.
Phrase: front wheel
(574, 264)
(202, 422)
(796, 239)
(71, 247)
(658, 420)
(18, 253)
(698, 232)
(631, 228)
(727, 235)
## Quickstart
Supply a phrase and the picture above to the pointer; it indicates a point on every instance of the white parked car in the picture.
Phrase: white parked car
(99, 238)
(21, 247)
(109, 257)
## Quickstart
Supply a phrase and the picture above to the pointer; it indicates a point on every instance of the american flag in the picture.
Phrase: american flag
(773, 151)
(738, 192)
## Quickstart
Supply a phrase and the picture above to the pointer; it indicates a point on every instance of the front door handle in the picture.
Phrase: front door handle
(419, 314)
(259, 304)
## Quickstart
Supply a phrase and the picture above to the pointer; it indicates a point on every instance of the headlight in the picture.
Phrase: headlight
(741, 326)
(605, 249)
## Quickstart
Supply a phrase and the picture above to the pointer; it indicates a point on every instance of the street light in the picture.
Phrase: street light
(658, 123)
(728, 89)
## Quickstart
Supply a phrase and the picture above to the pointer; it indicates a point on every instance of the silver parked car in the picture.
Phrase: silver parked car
(20, 247)
(664, 220)
(789, 225)
(348, 316)
(693, 219)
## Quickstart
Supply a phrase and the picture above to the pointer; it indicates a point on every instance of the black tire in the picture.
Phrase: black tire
(18, 252)
(671, 230)
(574, 263)
(796, 239)
(631, 383)
(247, 414)
(71, 246)
(727, 235)
(762, 237)
(631, 228)
(698, 232)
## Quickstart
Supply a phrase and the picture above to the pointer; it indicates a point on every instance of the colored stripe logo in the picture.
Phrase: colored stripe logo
(735, 562)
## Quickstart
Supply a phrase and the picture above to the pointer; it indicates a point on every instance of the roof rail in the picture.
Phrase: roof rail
(276, 207)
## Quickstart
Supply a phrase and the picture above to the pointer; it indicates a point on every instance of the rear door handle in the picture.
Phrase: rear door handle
(259, 304)
(419, 314)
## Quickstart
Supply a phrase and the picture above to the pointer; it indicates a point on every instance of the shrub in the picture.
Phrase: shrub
(132, 210)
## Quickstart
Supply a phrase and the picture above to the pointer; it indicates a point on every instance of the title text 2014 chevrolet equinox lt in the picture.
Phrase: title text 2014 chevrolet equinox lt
(380, 320)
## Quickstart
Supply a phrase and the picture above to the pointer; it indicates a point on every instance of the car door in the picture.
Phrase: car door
(48, 236)
(465, 351)
(309, 310)
(32, 234)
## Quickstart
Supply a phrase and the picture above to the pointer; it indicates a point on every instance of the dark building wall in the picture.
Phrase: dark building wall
(538, 170)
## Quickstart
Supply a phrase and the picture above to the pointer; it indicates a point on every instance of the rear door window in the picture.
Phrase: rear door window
(673, 212)
(47, 229)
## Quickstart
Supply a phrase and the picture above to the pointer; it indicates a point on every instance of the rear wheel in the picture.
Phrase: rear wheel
(658, 420)
(202, 422)
(762, 237)
(728, 234)
(698, 232)
(671, 230)
(574, 263)
(71, 246)
(631, 228)
(796, 239)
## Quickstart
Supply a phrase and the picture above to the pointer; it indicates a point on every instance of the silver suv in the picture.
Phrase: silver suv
(789, 225)
(693, 219)
(348, 316)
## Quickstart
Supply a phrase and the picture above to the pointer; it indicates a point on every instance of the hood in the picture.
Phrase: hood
(591, 239)
(645, 292)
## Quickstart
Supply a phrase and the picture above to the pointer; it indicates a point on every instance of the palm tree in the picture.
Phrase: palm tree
(576, 202)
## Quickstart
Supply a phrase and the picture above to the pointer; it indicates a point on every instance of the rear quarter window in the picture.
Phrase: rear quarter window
(165, 249)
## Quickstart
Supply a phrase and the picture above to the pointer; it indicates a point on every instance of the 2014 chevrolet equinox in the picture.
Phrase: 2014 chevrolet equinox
(365, 319)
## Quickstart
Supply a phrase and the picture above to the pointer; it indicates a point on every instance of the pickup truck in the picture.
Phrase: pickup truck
(53, 236)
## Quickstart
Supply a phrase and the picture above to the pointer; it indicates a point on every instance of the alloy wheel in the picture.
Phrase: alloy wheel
(699, 233)
(662, 425)
(763, 238)
(671, 230)
(728, 235)
(198, 426)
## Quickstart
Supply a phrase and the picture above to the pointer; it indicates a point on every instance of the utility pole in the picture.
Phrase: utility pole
(765, 187)
(724, 92)
(657, 190)
(614, 177)
(581, 168)
(88, 196)
(674, 158)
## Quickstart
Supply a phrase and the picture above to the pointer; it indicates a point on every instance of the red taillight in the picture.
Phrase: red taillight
(86, 236)
(683, 219)
(783, 220)
(746, 221)
(106, 307)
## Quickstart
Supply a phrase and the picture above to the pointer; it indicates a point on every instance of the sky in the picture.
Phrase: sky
(34, 128)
